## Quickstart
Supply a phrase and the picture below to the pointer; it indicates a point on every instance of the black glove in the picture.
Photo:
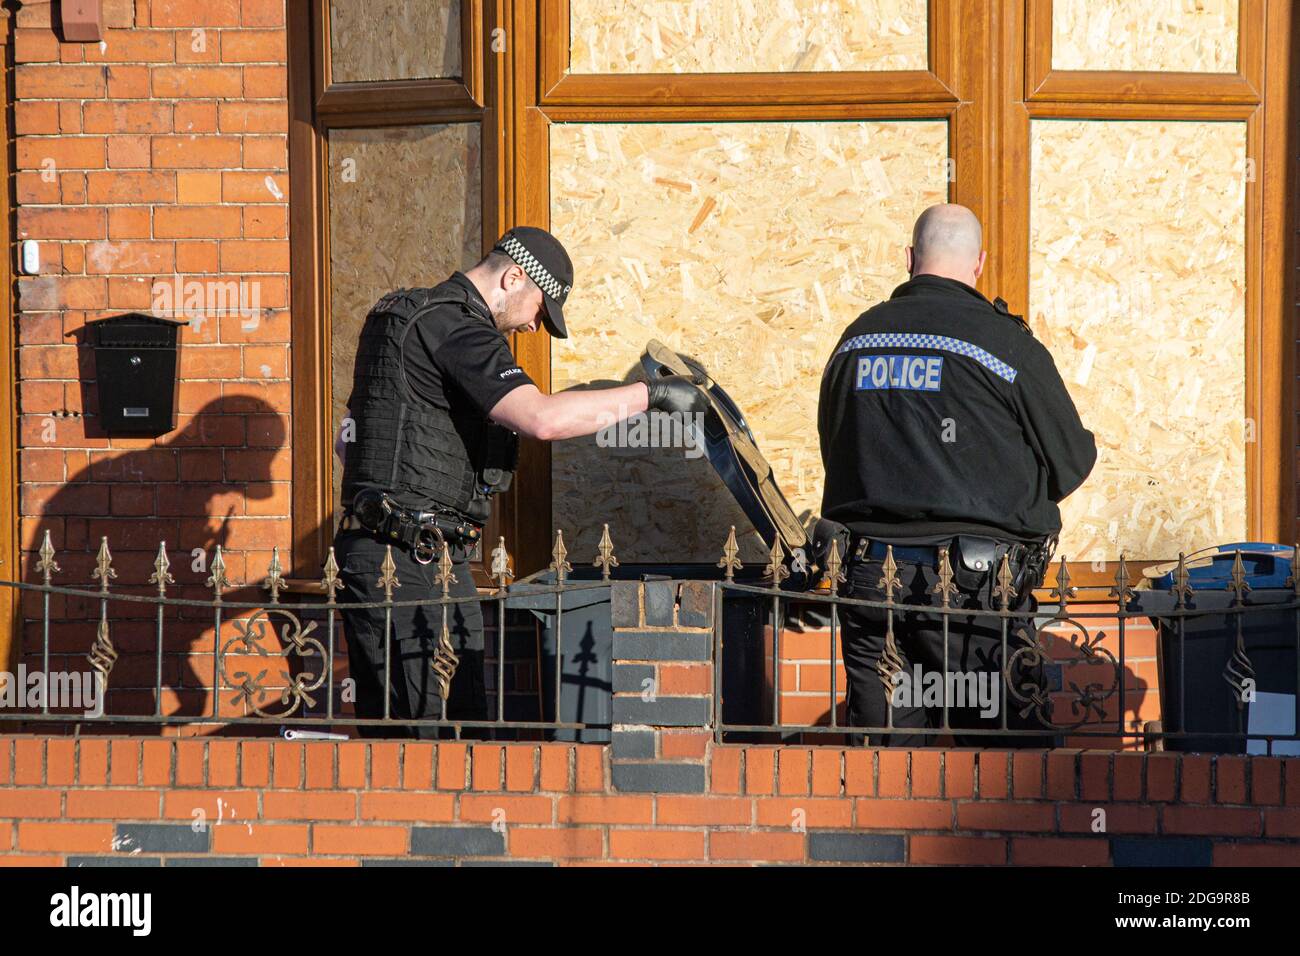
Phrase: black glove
(677, 393)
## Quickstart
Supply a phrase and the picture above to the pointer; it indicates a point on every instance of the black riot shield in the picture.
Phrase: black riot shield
(734, 455)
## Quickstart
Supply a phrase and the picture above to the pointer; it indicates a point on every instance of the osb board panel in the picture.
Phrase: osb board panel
(1137, 286)
(1188, 36)
(750, 246)
(742, 36)
(404, 210)
(394, 39)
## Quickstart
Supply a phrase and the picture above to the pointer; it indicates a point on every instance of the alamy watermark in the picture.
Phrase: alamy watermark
(654, 429)
(196, 300)
(961, 689)
(60, 690)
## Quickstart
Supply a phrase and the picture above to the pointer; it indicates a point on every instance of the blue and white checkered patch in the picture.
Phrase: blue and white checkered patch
(944, 343)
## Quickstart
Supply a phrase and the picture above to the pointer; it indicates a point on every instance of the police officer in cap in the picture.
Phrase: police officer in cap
(944, 424)
(438, 402)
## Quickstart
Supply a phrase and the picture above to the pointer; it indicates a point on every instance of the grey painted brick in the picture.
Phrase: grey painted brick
(456, 841)
(161, 838)
(658, 777)
(695, 608)
(663, 711)
(661, 646)
(406, 861)
(659, 602)
(127, 860)
(625, 604)
(633, 744)
(1161, 851)
(629, 678)
(855, 847)
(210, 861)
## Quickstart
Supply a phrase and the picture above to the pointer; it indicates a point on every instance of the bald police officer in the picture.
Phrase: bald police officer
(945, 424)
(438, 401)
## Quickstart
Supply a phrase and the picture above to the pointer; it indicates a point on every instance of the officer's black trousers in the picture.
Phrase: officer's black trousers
(974, 648)
(414, 631)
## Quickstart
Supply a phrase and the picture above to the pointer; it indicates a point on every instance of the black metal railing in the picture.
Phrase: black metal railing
(1028, 676)
(281, 640)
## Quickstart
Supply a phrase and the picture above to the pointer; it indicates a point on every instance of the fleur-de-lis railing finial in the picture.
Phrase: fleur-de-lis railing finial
(1182, 589)
(445, 577)
(330, 583)
(501, 564)
(1121, 591)
(217, 579)
(1063, 590)
(1293, 581)
(388, 573)
(776, 569)
(161, 576)
(103, 565)
(730, 561)
(1238, 584)
(559, 553)
(47, 564)
(945, 588)
(835, 575)
(889, 581)
(274, 580)
(605, 555)
(1004, 591)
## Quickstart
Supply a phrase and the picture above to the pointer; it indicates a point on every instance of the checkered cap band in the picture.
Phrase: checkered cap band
(943, 343)
(535, 270)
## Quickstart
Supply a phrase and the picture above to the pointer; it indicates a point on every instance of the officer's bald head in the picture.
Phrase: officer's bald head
(948, 241)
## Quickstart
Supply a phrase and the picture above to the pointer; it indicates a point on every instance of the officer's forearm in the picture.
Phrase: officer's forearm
(568, 414)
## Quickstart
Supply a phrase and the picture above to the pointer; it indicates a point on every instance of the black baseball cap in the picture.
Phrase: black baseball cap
(544, 261)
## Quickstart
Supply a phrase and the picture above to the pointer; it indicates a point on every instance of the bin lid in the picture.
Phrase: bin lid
(1267, 565)
(734, 455)
(134, 329)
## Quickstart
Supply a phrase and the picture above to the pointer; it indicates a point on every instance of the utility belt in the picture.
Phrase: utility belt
(975, 559)
(421, 531)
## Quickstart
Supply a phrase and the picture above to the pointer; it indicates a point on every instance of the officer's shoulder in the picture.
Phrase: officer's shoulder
(1000, 306)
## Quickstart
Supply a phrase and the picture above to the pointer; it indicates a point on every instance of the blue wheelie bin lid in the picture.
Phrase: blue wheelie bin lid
(1267, 565)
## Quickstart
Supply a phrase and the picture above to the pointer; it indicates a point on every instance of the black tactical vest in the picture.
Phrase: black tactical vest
(419, 454)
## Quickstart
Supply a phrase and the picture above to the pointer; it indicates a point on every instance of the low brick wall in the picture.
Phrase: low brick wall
(128, 801)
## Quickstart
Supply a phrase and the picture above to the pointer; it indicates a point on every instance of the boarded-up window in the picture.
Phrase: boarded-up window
(1137, 286)
(750, 246)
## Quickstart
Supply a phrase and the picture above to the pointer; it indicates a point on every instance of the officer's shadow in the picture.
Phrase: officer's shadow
(196, 488)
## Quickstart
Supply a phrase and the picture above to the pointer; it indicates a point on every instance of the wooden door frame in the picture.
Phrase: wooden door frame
(984, 79)
(10, 563)
(990, 74)
(317, 105)
(1266, 65)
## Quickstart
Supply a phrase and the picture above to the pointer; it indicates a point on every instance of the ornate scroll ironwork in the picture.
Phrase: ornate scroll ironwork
(295, 641)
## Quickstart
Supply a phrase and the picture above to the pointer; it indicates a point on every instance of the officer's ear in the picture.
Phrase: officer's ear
(909, 260)
(512, 277)
(979, 263)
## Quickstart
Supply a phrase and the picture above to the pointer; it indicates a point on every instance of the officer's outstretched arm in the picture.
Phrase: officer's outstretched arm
(567, 414)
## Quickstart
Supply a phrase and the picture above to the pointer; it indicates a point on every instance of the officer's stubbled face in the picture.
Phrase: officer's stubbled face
(518, 306)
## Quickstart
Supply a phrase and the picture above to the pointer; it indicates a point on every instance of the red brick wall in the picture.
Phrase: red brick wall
(143, 158)
(342, 803)
(160, 153)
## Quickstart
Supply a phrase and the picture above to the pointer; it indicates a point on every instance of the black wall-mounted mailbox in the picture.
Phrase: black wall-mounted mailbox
(135, 368)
